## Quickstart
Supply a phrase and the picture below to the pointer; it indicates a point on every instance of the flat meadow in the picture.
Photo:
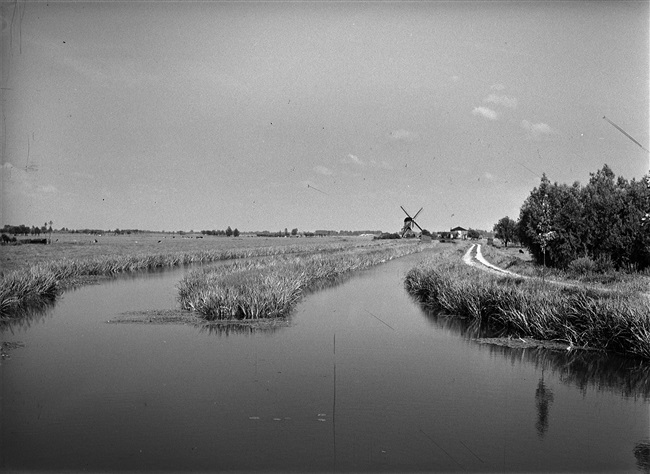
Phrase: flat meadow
(85, 246)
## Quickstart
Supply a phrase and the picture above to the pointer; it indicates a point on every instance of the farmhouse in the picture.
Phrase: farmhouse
(459, 233)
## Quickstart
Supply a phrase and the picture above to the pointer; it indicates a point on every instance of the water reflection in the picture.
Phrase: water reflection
(26, 317)
(642, 455)
(243, 329)
(583, 369)
(543, 400)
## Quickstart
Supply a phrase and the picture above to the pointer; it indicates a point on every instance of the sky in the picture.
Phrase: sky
(184, 115)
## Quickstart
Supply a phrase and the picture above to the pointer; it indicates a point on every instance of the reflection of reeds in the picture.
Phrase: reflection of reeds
(627, 376)
(504, 306)
(269, 288)
(217, 328)
(41, 284)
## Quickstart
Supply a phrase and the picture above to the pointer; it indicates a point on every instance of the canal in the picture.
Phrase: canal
(362, 379)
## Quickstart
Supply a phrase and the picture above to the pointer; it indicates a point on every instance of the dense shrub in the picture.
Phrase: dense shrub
(582, 266)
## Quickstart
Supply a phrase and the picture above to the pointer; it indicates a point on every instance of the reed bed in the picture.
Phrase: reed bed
(270, 287)
(42, 283)
(503, 306)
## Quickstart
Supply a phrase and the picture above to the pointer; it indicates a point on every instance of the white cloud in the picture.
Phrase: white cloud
(536, 130)
(502, 100)
(485, 112)
(381, 164)
(372, 163)
(354, 159)
(48, 189)
(402, 134)
(323, 170)
(455, 78)
(497, 87)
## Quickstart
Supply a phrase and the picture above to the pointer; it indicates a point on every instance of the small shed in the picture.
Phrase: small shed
(459, 233)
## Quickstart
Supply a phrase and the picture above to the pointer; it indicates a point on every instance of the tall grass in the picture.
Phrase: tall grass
(579, 316)
(269, 288)
(41, 284)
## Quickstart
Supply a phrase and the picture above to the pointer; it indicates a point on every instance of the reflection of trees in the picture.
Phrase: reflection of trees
(543, 400)
(642, 455)
(583, 369)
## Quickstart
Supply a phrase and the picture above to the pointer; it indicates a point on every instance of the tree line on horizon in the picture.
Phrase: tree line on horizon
(602, 225)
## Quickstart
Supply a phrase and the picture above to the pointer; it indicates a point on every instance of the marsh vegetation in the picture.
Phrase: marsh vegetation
(39, 284)
(613, 319)
(270, 287)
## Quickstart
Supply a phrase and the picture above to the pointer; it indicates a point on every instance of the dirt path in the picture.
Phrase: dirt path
(476, 259)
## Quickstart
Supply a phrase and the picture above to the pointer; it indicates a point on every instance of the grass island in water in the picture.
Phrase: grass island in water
(270, 287)
(40, 284)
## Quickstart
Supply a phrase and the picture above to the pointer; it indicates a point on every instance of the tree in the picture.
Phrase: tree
(228, 232)
(235, 232)
(506, 230)
(472, 234)
(294, 231)
(602, 221)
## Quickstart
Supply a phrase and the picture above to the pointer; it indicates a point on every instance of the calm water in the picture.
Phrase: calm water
(363, 380)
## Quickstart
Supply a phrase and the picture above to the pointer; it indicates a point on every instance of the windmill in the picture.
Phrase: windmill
(409, 222)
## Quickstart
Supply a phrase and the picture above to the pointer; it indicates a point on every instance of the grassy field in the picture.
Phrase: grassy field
(613, 317)
(83, 246)
(42, 272)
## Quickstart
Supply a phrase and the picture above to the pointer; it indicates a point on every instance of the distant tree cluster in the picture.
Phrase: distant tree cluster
(604, 221)
(117, 231)
(280, 233)
(17, 229)
(25, 230)
(222, 233)
(359, 232)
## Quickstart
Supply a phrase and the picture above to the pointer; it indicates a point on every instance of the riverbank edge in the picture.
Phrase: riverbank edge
(527, 310)
(189, 318)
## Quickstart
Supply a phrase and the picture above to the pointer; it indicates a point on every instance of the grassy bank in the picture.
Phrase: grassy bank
(42, 283)
(270, 287)
(521, 263)
(501, 306)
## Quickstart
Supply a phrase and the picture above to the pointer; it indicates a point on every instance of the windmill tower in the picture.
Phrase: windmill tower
(407, 230)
